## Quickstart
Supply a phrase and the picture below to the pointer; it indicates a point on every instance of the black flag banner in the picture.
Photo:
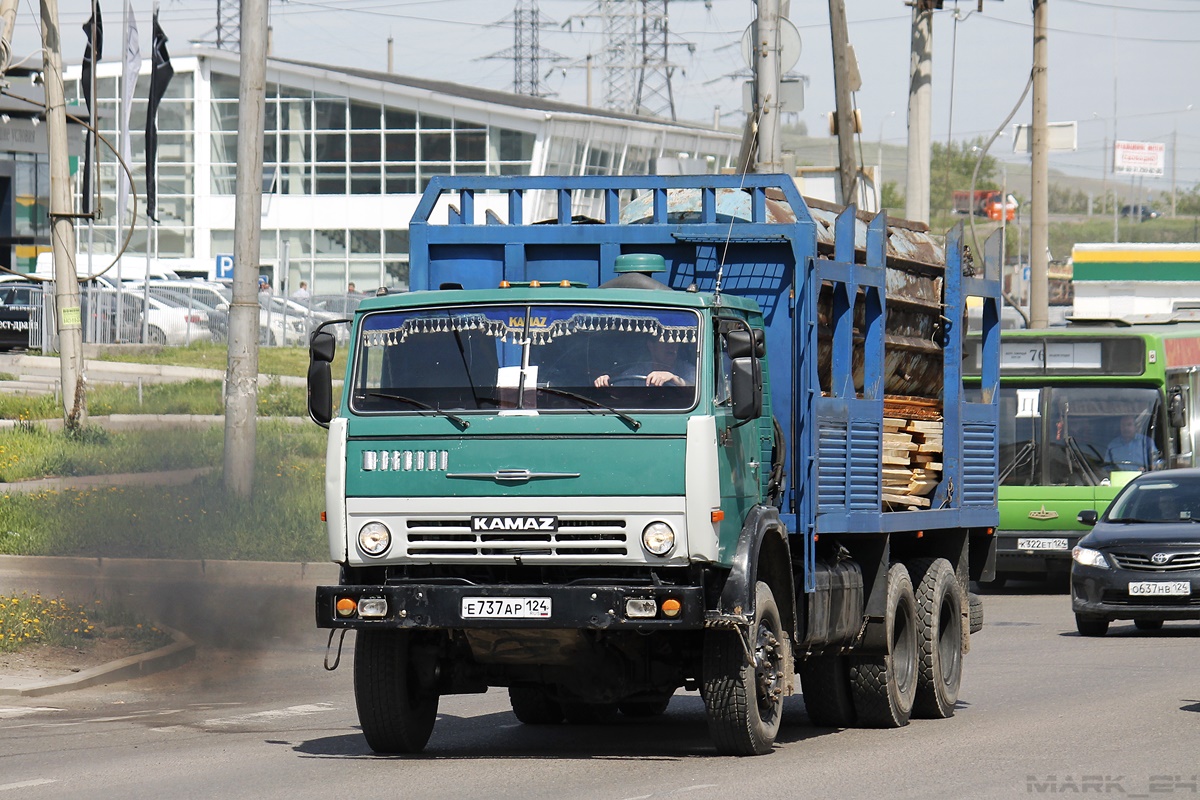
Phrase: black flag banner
(161, 73)
(93, 29)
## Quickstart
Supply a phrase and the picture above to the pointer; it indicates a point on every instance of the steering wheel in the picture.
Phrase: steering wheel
(628, 380)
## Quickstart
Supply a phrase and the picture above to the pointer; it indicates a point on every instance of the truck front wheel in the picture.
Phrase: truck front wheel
(884, 686)
(396, 712)
(744, 700)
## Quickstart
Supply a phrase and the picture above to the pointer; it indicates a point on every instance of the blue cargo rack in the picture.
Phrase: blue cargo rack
(753, 253)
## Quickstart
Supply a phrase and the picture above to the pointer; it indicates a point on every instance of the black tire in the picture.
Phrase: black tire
(1091, 626)
(533, 705)
(939, 634)
(976, 605)
(155, 335)
(396, 714)
(744, 702)
(1148, 624)
(644, 709)
(825, 681)
(885, 686)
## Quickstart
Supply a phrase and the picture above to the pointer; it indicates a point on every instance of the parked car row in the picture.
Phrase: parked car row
(165, 312)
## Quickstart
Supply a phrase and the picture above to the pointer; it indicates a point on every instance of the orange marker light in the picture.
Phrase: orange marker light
(564, 283)
(534, 284)
(718, 515)
(346, 606)
(323, 517)
(671, 607)
(505, 284)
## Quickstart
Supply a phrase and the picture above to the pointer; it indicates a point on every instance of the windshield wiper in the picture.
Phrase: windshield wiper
(1025, 455)
(457, 420)
(630, 421)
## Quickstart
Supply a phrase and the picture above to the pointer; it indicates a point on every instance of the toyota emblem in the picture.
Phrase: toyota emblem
(1160, 558)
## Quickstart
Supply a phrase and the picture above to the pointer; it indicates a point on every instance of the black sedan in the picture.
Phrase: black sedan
(1141, 560)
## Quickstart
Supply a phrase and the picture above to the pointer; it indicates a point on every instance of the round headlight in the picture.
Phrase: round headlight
(374, 539)
(658, 538)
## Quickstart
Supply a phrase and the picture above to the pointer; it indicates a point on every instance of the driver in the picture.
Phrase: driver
(1132, 449)
(665, 364)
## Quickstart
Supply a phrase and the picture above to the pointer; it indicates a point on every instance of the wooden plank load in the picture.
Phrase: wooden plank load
(912, 451)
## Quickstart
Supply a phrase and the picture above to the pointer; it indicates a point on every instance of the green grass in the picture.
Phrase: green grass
(190, 397)
(32, 451)
(279, 522)
(27, 619)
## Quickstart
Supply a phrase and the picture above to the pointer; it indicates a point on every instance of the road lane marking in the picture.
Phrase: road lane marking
(12, 712)
(268, 716)
(4, 787)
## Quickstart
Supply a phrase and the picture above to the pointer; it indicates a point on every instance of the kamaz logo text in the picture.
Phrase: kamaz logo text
(1043, 514)
(514, 523)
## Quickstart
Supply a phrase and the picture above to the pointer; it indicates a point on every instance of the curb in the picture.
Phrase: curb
(179, 652)
(207, 597)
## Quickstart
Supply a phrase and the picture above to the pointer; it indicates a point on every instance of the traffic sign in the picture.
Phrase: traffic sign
(789, 44)
(224, 268)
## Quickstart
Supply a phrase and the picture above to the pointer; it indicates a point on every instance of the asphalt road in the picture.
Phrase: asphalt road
(1042, 712)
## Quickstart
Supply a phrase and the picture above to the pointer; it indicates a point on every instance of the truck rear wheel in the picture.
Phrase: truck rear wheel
(825, 681)
(885, 686)
(744, 701)
(396, 713)
(939, 635)
(533, 705)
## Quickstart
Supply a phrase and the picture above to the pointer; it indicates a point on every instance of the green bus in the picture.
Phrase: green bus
(1082, 410)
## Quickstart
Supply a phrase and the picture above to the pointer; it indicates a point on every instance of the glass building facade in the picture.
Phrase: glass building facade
(345, 157)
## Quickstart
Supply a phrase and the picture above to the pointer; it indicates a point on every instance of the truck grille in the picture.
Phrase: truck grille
(453, 538)
(1180, 562)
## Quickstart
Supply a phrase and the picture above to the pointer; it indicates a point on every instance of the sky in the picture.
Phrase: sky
(1123, 68)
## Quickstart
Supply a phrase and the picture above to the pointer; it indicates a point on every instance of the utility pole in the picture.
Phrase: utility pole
(920, 112)
(62, 227)
(241, 381)
(1039, 301)
(768, 157)
(844, 110)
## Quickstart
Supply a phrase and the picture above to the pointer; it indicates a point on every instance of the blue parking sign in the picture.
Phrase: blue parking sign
(224, 267)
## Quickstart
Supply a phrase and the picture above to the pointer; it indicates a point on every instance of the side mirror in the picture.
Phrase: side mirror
(1087, 517)
(746, 394)
(1177, 408)
(321, 349)
(739, 345)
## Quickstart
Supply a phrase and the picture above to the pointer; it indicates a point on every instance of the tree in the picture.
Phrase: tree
(951, 167)
(891, 197)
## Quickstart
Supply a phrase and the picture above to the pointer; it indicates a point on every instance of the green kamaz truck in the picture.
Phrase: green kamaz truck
(682, 434)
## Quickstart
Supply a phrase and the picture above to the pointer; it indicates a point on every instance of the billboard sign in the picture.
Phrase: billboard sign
(1139, 158)
(1061, 137)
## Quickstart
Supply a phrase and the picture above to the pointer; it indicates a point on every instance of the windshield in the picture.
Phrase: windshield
(520, 359)
(1165, 498)
(1077, 435)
